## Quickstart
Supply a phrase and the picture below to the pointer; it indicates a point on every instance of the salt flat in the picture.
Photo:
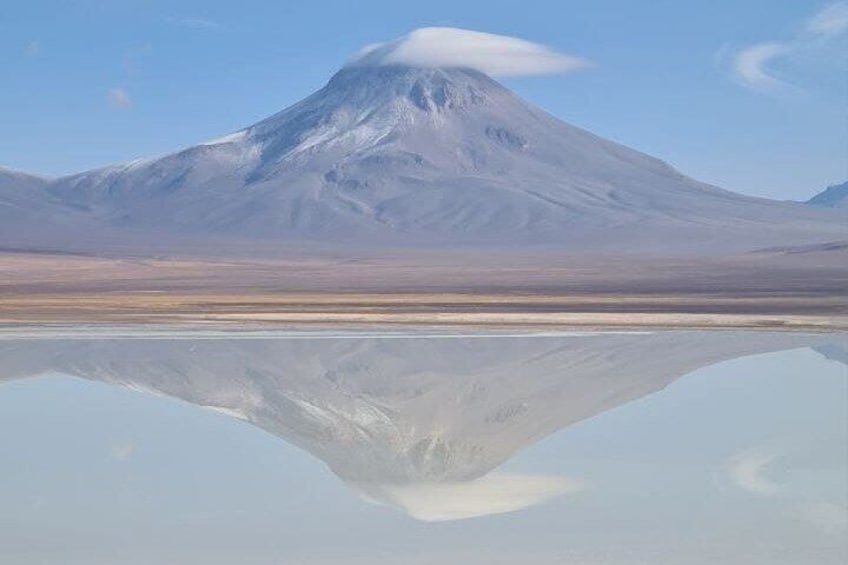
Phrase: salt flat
(777, 289)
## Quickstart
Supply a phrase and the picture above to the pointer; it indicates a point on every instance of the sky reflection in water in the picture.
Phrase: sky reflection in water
(672, 447)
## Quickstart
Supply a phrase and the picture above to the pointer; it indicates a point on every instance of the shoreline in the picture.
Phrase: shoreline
(451, 290)
(525, 312)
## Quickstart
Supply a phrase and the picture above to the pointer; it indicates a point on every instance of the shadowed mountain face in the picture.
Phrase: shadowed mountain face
(419, 423)
(397, 155)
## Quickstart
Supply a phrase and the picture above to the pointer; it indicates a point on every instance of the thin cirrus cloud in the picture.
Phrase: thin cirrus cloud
(194, 22)
(32, 49)
(122, 451)
(495, 55)
(118, 99)
(752, 471)
(751, 65)
(832, 20)
(829, 517)
(754, 66)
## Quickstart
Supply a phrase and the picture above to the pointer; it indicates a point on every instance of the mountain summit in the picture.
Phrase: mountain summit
(393, 154)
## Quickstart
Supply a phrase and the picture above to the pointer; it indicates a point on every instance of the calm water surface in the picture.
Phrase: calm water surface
(601, 448)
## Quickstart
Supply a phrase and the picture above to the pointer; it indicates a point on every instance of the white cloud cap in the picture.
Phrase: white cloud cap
(492, 494)
(495, 55)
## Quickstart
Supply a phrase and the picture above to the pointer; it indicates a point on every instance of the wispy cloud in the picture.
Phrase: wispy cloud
(32, 49)
(751, 64)
(832, 20)
(194, 22)
(495, 55)
(754, 66)
(122, 451)
(829, 517)
(118, 99)
(135, 59)
(754, 470)
(748, 469)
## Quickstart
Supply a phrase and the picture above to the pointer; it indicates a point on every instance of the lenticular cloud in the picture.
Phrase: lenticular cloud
(495, 55)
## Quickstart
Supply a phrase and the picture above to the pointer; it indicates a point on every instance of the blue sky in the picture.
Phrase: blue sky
(750, 95)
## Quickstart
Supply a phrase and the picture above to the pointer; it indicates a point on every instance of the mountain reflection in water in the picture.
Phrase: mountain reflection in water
(419, 424)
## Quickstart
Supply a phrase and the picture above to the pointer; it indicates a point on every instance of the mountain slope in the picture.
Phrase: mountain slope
(397, 155)
(835, 196)
(31, 216)
(19, 193)
(24, 204)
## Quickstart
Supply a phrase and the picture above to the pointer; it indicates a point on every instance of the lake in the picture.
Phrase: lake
(590, 448)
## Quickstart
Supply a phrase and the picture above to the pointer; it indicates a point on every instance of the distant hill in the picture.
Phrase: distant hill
(835, 196)
(21, 195)
(29, 214)
(11, 178)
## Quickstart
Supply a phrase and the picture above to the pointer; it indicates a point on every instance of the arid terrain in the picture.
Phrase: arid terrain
(795, 289)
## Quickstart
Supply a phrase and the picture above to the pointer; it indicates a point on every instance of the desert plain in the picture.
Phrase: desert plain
(804, 289)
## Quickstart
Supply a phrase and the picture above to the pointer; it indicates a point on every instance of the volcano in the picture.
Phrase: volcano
(393, 155)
